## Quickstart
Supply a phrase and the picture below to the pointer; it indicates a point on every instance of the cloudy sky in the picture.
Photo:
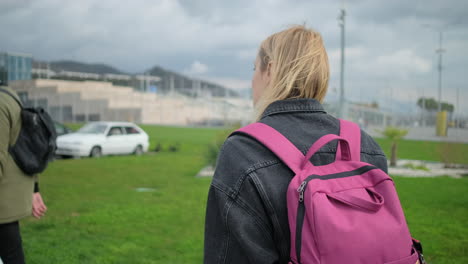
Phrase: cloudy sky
(389, 44)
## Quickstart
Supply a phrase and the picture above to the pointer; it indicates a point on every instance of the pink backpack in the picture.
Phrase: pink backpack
(344, 212)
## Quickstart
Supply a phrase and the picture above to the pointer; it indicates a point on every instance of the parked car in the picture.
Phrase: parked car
(61, 129)
(103, 138)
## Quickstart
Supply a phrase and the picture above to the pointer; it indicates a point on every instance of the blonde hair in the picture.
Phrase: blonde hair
(298, 65)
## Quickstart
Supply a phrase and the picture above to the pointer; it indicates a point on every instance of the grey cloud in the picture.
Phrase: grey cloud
(8, 6)
(135, 35)
(443, 13)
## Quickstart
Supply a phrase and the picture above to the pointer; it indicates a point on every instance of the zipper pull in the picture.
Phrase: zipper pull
(300, 190)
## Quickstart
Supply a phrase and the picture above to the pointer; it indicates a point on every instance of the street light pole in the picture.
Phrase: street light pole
(457, 123)
(423, 123)
(440, 50)
(341, 23)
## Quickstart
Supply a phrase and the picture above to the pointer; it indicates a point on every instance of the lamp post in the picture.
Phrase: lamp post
(440, 51)
(441, 119)
(457, 123)
(341, 23)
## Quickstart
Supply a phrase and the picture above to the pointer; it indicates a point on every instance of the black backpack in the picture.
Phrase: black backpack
(36, 142)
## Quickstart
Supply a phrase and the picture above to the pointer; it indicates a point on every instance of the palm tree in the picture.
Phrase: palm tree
(394, 134)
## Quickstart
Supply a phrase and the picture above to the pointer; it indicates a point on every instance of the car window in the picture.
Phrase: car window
(93, 128)
(59, 129)
(131, 130)
(115, 131)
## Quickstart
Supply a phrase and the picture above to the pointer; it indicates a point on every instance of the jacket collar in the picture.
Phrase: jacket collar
(293, 105)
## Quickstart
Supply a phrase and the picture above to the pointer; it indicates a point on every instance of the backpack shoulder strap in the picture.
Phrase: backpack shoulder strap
(48, 123)
(277, 143)
(352, 133)
(13, 96)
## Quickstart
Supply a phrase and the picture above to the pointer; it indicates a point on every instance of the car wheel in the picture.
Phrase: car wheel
(95, 152)
(138, 150)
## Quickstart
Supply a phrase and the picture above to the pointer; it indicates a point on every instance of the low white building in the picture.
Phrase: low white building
(82, 101)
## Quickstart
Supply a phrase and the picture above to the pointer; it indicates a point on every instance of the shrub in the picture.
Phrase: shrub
(450, 153)
(212, 151)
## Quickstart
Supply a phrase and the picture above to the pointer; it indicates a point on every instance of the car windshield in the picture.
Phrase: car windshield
(93, 129)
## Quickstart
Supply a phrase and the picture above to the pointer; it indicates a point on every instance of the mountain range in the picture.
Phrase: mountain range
(169, 79)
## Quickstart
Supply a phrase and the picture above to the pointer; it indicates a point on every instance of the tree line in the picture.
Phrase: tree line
(430, 104)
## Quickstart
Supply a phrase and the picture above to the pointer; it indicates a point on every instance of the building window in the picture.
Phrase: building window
(80, 118)
(18, 67)
(94, 117)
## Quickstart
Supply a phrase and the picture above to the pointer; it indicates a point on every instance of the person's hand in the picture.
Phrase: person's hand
(38, 208)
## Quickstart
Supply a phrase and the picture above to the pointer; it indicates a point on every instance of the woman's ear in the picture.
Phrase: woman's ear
(268, 72)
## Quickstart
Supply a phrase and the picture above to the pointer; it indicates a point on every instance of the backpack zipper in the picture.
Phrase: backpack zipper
(300, 217)
(301, 190)
(358, 171)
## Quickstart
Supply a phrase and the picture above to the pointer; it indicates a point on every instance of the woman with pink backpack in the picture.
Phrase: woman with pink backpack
(300, 186)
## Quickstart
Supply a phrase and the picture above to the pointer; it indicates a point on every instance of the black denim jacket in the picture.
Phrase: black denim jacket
(246, 216)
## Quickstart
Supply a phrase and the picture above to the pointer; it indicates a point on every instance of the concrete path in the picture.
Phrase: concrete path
(435, 169)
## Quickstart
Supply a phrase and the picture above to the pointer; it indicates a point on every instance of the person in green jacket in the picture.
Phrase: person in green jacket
(19, 193)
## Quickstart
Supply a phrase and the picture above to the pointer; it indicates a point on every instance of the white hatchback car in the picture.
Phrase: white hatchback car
(103, 138)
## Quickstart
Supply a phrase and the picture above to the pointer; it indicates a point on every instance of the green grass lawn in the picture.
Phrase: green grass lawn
(436, 210)
(427, 150)
(96, 215)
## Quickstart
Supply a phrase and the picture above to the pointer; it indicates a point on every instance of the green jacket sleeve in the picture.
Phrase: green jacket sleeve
(5, 128)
